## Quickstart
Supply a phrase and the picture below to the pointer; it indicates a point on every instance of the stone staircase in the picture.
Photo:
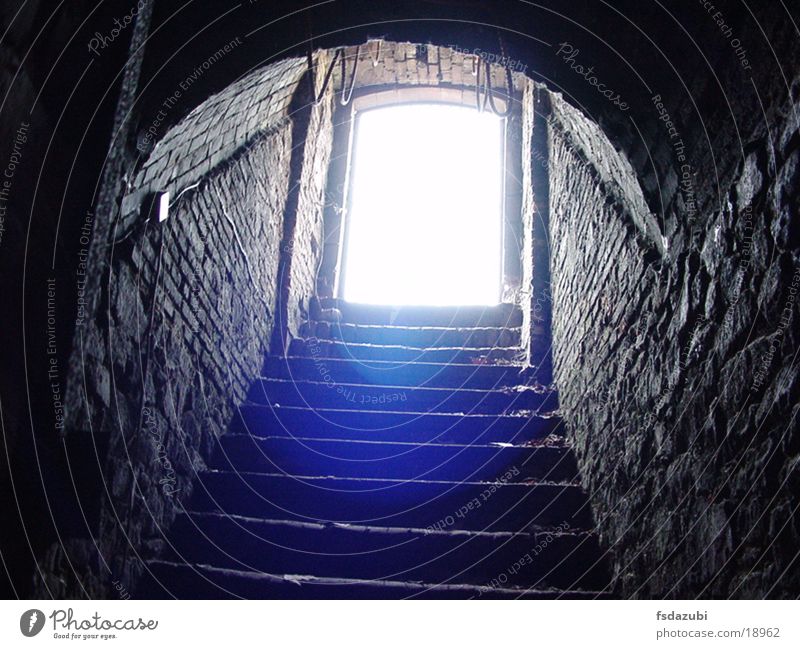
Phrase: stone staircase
(390, 454)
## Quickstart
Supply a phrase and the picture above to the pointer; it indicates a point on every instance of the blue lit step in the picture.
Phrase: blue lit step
(419, 427)
(403, 461)
(353, 396)
(416, 336)
(497, 506)
(368, 352)
(207, 582)
(502, 315)
(443, 375)
(557, 558)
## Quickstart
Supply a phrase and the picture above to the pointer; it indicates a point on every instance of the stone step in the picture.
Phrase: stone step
(368, 352)
(178, 580)
(426, 337)
(386, 425)
(502, 315)
(394, 453)
(501, 505)
(435, 375)
(350, 396)
(400, 461)
(548, 558)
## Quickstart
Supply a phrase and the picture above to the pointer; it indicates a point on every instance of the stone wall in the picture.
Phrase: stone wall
(672, 295)
(57, 121)
(182, 316)
(676, 337)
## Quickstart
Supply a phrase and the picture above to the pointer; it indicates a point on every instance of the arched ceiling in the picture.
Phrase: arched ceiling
(635, 49)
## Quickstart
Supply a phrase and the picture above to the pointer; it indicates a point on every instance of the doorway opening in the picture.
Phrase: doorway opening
(425, 207)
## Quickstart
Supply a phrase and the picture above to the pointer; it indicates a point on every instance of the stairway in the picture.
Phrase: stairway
(391, 454)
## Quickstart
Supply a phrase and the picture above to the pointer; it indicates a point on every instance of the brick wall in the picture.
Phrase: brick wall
(303, 230)
(683, 420)
(190, 308)
(529, 205)
(182, 316)
(537, 294)
(387, 63)
(213, 132)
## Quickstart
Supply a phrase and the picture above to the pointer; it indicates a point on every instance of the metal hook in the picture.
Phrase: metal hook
(346, 97)
(490, 92)
(480, 105)
(377, 54)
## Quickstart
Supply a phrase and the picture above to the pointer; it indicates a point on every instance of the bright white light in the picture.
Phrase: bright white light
(425, 225)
